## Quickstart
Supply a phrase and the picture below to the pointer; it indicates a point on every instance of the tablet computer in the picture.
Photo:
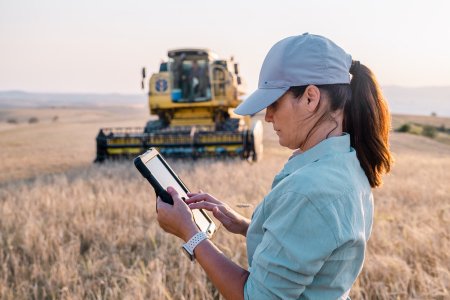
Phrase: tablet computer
(157, 171)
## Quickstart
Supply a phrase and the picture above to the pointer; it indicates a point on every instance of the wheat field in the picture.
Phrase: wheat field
(70, 229)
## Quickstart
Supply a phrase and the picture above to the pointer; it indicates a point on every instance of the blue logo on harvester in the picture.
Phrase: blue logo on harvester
(161, 85)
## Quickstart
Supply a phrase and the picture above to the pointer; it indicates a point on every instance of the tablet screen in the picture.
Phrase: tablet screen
(163, 175)
(166, 179)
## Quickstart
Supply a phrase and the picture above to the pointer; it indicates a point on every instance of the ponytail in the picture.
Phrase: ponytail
(367, 120)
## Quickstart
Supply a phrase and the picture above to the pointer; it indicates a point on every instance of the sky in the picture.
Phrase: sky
(100, 46)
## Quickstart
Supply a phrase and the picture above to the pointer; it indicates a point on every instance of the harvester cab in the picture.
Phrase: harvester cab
(193, 96)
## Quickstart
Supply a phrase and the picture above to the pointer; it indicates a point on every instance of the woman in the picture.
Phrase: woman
(307, 237)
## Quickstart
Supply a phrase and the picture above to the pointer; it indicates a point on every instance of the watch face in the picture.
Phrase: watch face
(190, 256)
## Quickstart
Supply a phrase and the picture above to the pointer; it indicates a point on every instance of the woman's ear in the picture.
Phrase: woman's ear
(312, 95)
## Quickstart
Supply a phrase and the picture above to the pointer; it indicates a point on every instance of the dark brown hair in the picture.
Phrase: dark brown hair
(366, 119)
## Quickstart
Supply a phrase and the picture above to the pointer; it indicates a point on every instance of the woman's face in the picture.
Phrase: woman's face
(290, 120)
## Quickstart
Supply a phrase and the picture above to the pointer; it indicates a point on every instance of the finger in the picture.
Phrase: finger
(173, 192)
(191, 194)
(196, 193)
(228, 212)
(203, 197)
(199, 192)
(218, 213)
(196, 197)
(175, 196)
(202, 205)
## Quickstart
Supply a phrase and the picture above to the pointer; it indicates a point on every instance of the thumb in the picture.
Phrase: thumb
(173, 192)
(175, 196)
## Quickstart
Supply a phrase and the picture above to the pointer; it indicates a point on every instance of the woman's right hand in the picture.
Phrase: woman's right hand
(231, 220)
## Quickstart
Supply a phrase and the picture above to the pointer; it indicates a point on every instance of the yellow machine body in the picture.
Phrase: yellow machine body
(193, 95)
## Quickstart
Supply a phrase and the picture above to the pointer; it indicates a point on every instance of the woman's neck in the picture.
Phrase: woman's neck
(332, 126)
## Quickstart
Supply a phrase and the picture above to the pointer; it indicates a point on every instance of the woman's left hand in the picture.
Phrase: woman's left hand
(177, 218)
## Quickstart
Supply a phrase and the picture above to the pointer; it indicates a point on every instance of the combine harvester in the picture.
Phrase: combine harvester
(193, 95)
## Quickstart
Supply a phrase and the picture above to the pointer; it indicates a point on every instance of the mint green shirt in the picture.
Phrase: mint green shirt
(307, 238)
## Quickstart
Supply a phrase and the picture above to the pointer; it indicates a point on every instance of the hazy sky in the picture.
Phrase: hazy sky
(100, 46)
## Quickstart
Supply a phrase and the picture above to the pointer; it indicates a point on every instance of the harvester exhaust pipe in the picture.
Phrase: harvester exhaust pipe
(143, 78)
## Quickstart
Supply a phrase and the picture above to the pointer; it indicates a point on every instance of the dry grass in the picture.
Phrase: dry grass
(89, 231)
(408, 255)
(30, 150)
(92, 233)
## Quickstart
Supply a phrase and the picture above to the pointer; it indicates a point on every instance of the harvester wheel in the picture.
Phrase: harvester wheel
(256, 142)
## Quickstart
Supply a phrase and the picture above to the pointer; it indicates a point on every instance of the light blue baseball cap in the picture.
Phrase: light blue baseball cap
(295, 61)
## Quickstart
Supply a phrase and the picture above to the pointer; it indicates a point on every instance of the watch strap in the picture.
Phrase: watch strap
(193, 242)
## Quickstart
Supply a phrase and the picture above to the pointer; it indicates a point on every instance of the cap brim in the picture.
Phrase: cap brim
(258, 100)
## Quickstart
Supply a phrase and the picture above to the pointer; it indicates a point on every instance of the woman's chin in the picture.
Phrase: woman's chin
(281, 142)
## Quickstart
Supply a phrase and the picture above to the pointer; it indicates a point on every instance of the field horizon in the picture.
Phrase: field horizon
(71, 229)
(404, 100)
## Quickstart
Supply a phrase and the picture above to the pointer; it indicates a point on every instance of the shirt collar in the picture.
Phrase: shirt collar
(332, 145)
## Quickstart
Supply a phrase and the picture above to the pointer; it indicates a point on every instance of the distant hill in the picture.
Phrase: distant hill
(402, 100)
(21, 99)
(419, 100)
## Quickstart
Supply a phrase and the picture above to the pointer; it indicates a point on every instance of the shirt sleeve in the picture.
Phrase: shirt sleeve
(297, 240)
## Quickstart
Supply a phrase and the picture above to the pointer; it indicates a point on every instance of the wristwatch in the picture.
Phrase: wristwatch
(192, 243)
